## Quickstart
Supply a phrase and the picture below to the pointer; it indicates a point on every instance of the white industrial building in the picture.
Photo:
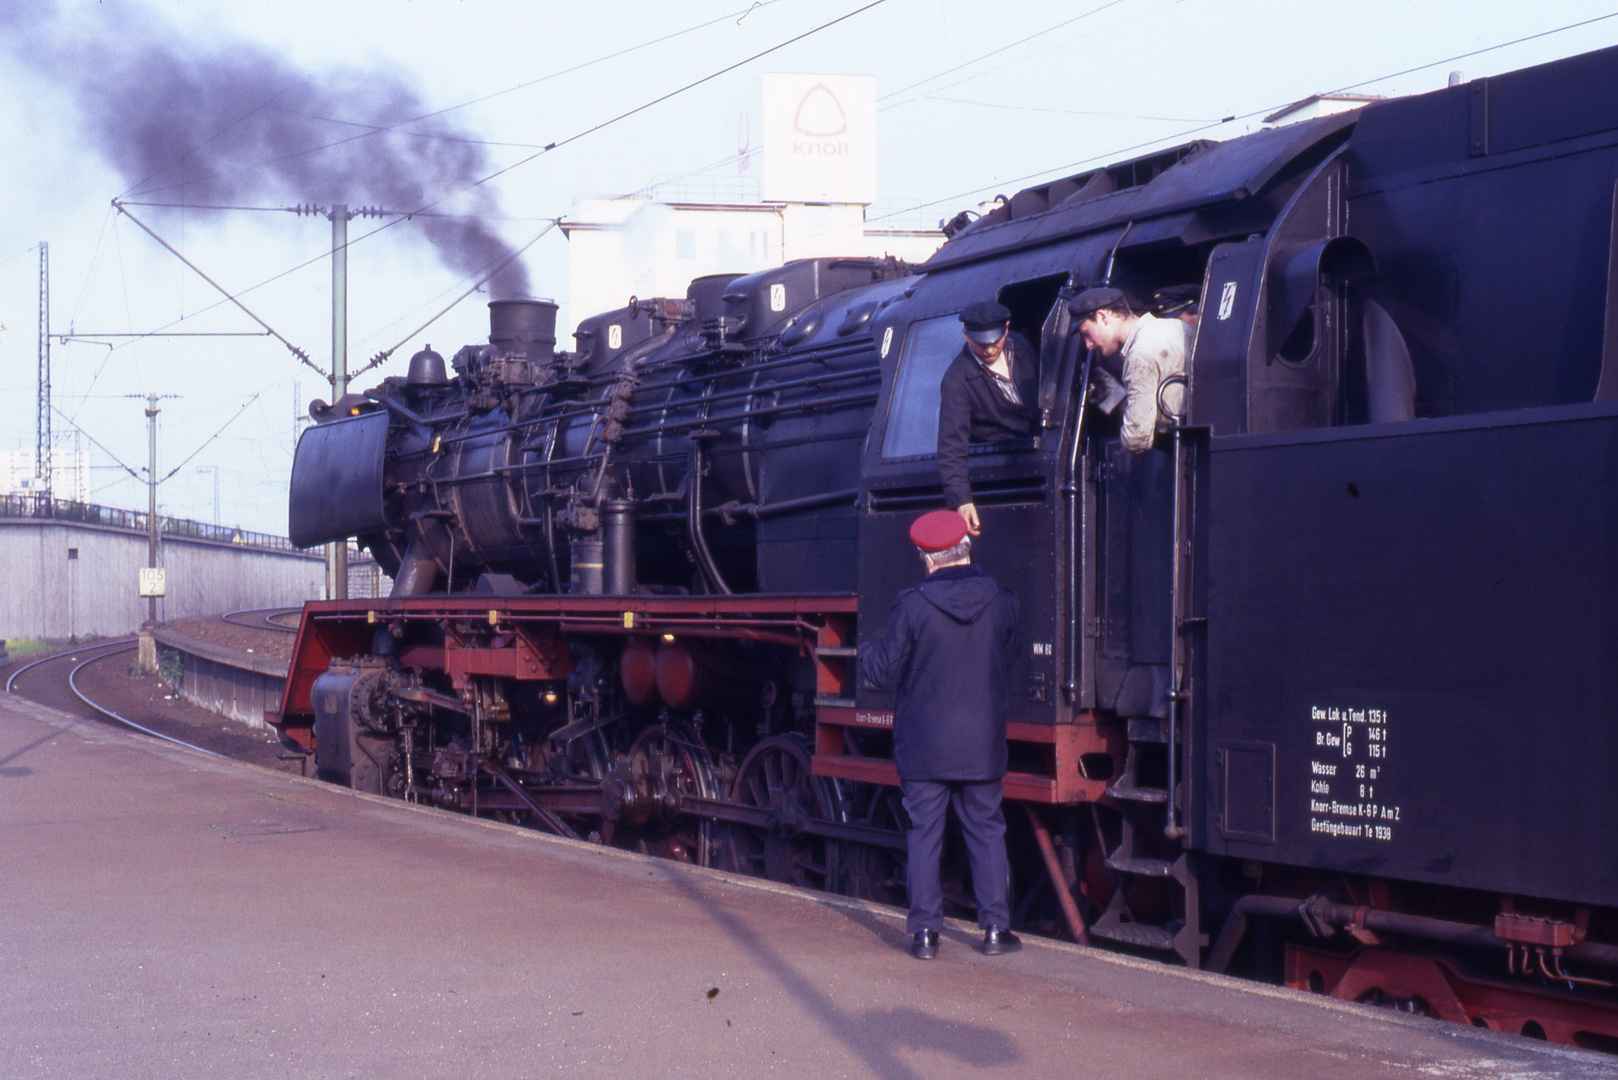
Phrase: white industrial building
(819, 183)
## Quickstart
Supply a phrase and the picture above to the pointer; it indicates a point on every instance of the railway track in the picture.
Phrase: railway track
(54, 680)
(264, 618)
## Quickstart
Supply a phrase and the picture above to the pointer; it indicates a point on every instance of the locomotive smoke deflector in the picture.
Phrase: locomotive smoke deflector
(336, 489)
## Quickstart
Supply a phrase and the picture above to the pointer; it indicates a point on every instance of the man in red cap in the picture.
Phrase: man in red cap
(947, 649)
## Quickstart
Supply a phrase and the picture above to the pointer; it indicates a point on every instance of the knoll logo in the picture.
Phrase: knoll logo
(819, 138)
(820, 118)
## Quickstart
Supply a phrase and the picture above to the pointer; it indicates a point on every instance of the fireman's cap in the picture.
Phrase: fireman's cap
(1100, 298)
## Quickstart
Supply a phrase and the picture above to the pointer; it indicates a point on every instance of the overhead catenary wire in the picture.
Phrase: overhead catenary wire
(626, 114)
(730, 159)
(29, 250)
(1070, 112)
(384, 129)
(91, 336)
(1059, 170)
(99, 445)
(233, 418)
(299, 353)
(243, 118)
(1001, 49)
(107, 220)
(382, 356)
(423, 311)
(306, 208)
(233, 298)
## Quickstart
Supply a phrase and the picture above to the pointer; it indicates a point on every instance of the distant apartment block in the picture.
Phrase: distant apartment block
(70, 474)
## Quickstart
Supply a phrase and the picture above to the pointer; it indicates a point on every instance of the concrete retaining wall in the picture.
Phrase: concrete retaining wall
(232, 683)
(65, 579)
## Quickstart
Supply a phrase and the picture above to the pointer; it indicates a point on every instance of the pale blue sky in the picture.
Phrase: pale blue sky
(955, 125)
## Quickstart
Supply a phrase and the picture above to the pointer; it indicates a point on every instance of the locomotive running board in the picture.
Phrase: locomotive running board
(1068, 751)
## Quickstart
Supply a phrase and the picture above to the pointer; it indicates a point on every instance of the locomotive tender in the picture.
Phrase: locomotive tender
(1320, 689)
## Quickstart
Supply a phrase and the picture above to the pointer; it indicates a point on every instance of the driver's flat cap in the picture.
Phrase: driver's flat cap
(985, 321)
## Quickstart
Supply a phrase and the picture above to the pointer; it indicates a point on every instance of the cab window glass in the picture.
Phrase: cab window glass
(929, 347)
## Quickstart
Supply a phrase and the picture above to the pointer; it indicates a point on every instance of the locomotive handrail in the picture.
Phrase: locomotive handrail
(1178, 668)
(1070, 489)
(752, 391)
(763, 510)
(383, 399)
(1177, 418)
(805, 406)
(774, 410)
(589, 406)
(545, 418)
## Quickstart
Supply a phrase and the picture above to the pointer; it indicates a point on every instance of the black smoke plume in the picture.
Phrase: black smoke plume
(229, 121)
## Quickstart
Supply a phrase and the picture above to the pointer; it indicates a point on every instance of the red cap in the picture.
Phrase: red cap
(937, 531)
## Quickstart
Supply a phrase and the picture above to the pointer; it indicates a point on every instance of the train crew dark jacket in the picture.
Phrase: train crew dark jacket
(972, 408)
(947, 650)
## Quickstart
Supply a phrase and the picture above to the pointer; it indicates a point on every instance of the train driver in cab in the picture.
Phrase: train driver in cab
(988, 394)
(1152, 350)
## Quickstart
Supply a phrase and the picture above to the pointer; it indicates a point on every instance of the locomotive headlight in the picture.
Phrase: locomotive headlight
(668, 637)
(550, 697)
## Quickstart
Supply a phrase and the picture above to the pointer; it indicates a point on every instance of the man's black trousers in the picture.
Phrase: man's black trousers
(977, 807)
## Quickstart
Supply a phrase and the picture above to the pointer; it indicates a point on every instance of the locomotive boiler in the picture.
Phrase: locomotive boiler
(1317, 689)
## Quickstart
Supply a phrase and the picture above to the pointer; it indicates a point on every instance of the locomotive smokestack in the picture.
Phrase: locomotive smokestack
(231, 121)
(527, 327)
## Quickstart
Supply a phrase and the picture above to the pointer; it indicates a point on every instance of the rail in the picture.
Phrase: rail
(102, 651)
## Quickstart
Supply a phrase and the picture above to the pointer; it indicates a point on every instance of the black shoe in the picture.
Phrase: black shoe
(997, 941)
(925, 946)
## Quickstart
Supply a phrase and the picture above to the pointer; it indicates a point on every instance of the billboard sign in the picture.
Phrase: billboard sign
(820, 138)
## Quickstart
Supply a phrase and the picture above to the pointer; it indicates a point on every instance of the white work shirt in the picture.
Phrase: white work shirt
(1155, 350)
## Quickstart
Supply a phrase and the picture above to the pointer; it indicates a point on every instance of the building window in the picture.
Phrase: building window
(685, 244)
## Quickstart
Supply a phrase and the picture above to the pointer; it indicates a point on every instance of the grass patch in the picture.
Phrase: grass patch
(23, 650)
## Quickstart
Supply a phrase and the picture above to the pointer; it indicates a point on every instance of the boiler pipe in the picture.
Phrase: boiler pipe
(417, 572)
(618, 546)
(1317, 910)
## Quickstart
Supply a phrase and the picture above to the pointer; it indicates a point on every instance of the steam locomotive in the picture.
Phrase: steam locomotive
(1320, 689)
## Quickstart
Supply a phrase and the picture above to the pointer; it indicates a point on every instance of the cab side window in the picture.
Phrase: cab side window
(912, 428)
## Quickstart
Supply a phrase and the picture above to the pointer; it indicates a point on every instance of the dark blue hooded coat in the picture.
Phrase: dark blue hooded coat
(947, 650)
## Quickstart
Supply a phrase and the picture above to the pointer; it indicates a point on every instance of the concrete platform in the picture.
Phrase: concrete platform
(169, 915)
